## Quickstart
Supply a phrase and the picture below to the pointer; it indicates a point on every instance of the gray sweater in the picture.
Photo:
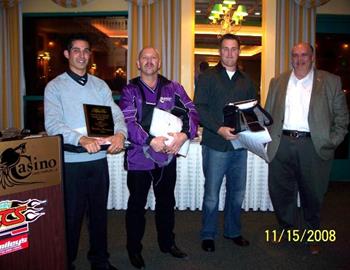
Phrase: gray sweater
(64, 113)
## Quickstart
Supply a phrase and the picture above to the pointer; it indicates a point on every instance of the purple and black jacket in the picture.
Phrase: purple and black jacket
(137, 103)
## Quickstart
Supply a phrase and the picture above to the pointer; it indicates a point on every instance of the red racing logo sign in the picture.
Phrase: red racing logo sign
(15, 217)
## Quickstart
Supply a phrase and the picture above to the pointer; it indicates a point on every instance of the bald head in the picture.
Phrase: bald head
(305, 45)
(148, 49)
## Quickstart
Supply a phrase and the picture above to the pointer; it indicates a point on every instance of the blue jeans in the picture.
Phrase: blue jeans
(216, 165)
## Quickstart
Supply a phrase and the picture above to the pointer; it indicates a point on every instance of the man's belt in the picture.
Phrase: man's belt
(296, 133)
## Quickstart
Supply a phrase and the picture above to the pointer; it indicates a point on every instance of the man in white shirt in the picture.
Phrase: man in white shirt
(310, 120)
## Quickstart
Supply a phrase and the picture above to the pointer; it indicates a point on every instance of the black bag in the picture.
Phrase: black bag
(246, 115)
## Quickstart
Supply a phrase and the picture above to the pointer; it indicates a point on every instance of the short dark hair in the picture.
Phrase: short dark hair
(74, 37)
(203, 66)
(229, 36)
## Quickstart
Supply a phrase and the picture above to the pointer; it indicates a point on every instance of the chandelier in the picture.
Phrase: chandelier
(229, 15)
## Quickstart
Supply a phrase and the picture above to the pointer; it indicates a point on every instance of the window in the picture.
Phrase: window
(206, 39)
(44, 39)
(333, 55)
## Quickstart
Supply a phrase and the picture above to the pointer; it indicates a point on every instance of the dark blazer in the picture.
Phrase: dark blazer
(213, 91)
(328, 113)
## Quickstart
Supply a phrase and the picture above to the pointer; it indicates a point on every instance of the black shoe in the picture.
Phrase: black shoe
(108, 267)
(176, 252)
(208, 245)
(136, 260)
(239, 241)
(111, 267)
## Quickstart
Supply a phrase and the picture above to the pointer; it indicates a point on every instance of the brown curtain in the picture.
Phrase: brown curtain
(311, 3)
(11, 72)
(155, 23)
(296, 22)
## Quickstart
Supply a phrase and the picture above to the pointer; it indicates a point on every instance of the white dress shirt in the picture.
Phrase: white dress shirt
(297, 102)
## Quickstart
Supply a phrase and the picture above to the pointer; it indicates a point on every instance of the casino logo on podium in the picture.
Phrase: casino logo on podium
(28, 164)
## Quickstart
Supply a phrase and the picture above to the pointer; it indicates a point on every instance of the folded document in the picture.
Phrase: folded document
(255, 142)
(163, 123)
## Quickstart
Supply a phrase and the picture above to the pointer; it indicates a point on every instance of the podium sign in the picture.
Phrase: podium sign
(31, 204)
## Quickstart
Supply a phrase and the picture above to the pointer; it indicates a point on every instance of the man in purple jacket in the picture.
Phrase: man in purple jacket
(150, 159)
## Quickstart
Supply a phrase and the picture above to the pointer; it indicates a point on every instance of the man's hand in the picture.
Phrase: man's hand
(158, 144)
(92, 145)
(175, 145)
(227, 133)
(117, 143)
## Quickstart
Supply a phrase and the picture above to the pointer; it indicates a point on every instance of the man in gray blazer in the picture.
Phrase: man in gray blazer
(310, 120)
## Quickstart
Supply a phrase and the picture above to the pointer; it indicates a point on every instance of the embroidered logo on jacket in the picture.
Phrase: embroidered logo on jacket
(165, 99)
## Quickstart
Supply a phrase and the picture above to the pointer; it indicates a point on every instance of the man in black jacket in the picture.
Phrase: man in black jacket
(215, 88)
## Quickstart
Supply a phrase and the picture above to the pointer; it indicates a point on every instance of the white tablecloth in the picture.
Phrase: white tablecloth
(189, 188)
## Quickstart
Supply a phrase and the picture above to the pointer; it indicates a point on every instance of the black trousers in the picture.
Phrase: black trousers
(86, 192)
(298, 168)
(139, 183)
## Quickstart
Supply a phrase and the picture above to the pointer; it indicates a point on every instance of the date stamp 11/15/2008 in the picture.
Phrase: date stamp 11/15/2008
(298, 236)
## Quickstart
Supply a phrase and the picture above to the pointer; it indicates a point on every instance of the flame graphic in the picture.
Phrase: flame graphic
(34, 208)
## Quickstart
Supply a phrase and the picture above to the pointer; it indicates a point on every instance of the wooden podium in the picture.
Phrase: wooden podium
(32, 234)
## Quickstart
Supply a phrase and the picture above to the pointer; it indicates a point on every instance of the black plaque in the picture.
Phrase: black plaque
(99, 120)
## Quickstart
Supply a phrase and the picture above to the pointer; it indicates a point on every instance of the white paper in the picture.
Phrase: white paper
(255, 142)
(163, 123)
(244, 105)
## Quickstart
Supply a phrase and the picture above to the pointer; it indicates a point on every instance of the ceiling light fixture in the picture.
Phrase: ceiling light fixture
(229, 15)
